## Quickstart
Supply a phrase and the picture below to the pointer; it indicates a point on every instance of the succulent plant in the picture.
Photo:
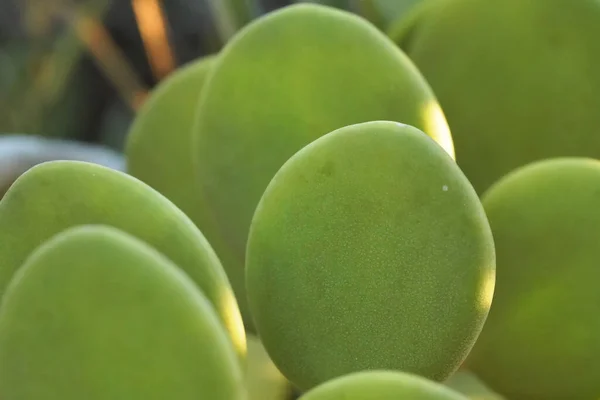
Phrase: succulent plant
(378, 253)
(54, 196)
(290, 86)
(514, 78)
(306, 83)
(544, 321)
(165, 122)
(111, 309)
(283, 215)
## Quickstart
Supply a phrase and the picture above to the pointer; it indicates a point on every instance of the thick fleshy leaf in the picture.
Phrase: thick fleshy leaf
(541, 338)
(159, 143)
(97, 314)
(516, 79)
(369, 250)
(159, 152)
(57, 195)
(284, 81)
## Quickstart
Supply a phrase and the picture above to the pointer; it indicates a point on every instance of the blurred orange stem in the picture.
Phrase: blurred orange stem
(152, 24)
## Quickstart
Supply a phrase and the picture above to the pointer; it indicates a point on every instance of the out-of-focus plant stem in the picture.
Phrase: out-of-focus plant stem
(109, 58)
(152, 25)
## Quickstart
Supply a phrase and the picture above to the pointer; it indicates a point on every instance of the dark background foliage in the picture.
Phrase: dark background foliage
(78, 69)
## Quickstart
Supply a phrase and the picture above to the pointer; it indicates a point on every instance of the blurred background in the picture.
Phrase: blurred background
(79, 69)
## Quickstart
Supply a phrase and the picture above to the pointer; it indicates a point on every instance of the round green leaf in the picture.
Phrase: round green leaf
(159, 152)
(369, 250)
(96, 314)
(381, 385)
(285, 80)
(159, 143)
(517, 79)
(541, 338)
(57, 195)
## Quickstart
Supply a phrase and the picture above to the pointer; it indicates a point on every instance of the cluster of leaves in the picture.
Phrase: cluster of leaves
(315, 208)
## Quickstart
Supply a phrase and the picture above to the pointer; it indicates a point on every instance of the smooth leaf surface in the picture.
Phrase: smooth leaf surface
(369, 250)
(516, 79)
(541, 338)
(97, 314)
(284, 81)
(160, 153)
(58, 195)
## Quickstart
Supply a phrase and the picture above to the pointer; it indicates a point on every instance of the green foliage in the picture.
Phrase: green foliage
(55, 196)
(276, 87)
(544, 321)
(514, 78)
(381, 385)
(166, 123)
(338, 237)
(112, 310)
(297, 170)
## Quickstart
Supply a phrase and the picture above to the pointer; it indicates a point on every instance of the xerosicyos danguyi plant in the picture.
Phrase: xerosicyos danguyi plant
(369, 250)
(58, 195)
(313, 154)
(95, 313)
(517, 80)
(541, 338)
(281, 82)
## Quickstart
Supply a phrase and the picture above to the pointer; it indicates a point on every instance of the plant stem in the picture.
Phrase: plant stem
(110, 59)
(152, 25)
